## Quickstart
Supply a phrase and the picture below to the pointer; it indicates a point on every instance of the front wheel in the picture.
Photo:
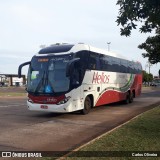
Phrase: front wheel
(87, 106)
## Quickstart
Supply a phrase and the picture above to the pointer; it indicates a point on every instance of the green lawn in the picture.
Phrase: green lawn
(140, 134)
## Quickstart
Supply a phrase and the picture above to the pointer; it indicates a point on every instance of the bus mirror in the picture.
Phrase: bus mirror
(70, 66)
(20, 68)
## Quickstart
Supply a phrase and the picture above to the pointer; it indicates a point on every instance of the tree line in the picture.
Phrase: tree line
(147, 13)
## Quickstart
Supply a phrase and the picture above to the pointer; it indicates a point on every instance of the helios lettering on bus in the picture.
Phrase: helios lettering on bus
(100, 78)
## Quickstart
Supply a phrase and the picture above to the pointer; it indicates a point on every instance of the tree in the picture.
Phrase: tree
(159, 73)
(150, 77)
(147, 77)
(152, 47)
(147, 12)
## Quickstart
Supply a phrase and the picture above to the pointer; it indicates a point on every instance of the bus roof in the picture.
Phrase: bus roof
(56, 49)
(68, 48)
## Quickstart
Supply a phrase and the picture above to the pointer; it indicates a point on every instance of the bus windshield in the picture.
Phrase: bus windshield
(47, 75)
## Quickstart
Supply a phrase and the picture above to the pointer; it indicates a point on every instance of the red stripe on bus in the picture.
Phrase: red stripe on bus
(46, 99)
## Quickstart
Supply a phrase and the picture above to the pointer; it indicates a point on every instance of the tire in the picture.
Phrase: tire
(127, 100)
(87, 106)
(131, 98)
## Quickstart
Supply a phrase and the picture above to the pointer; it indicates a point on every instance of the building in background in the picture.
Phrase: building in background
(12, 80)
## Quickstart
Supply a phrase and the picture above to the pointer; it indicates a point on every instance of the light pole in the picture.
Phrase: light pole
(108, 43)
(148, 65)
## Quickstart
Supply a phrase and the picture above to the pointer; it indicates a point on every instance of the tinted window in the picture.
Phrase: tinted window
(116, 64)
(94, 61)
(112, 64)
(84, 57)
(104, 62)
(124, 66)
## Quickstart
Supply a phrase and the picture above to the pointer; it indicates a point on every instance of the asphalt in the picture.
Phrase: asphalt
(24, 130)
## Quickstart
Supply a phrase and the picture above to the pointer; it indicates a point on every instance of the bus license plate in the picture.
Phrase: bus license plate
(44, 107)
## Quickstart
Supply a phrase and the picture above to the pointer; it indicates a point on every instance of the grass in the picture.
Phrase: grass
(141, 134)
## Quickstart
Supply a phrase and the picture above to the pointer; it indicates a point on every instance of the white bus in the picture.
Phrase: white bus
(67, 78)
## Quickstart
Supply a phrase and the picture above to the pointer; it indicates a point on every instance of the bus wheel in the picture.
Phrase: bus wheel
(127, 100)
(131, 98)
(87, 106)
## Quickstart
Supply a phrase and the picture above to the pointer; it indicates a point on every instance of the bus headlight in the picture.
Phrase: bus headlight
(29, 100)
(64, 100)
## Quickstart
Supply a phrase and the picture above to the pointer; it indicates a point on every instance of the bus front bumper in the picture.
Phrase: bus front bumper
(62, 108)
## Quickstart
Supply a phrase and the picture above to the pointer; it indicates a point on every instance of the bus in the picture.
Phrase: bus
(67, 78)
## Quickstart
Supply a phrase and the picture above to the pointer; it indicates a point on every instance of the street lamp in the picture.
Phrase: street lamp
(148, 65)
(108, 43)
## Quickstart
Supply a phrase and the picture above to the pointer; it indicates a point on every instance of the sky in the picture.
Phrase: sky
(27, 24)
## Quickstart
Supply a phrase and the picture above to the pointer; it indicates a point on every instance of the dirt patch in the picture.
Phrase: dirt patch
(12, 89)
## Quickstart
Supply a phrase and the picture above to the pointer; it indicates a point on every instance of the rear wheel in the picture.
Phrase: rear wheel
(127, 100)
(87, 106)
(131, 97)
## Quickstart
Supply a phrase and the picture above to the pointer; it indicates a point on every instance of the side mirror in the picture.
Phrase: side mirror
(20, 68)
(70, 66)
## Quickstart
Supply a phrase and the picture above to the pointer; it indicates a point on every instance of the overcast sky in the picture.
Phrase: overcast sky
(27, 24)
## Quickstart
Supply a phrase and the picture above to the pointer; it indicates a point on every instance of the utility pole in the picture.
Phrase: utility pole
(148, 64)
(108, 43)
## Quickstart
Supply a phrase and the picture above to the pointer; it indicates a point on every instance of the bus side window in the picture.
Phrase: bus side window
(110, 63)
(83, 63)
(103, 62)
(129, 67)
(124, 66)
(94, 62)
(76, 76)
(115, 64)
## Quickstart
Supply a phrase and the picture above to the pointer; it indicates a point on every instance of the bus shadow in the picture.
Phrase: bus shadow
(105, 106)
(120, 104)
(47, 115)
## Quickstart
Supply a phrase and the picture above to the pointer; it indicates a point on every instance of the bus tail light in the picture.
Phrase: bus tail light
(64, 100)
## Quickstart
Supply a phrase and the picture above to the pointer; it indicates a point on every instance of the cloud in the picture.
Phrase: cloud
(30, 16)
(11, 60)
(15, 55)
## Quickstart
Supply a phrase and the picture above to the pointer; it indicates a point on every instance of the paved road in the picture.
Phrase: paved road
(22, 130)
